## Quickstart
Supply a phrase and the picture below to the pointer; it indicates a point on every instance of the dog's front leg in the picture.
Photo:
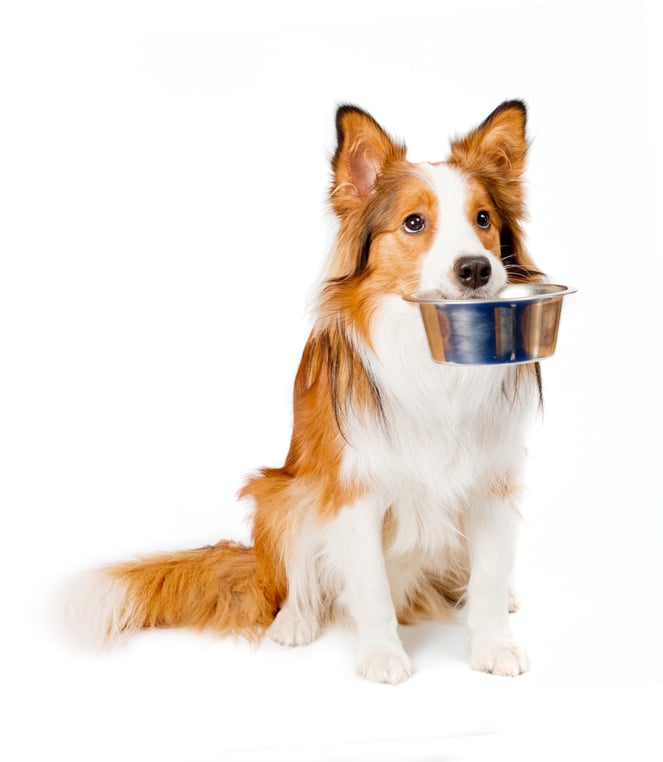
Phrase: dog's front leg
(355, 546)
(492, 529)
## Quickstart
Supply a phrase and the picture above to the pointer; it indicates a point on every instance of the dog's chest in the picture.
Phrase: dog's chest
(426, 471)
(440, 446)
(447, 433)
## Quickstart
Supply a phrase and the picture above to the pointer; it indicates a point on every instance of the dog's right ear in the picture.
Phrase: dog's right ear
(363, 150)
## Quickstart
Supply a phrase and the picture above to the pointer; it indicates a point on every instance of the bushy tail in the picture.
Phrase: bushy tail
(215, 587)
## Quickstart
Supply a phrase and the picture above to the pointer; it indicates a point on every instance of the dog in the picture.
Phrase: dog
(398, 499)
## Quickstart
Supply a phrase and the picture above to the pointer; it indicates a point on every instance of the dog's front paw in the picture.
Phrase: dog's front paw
(384, 663)
(291, 629)
(501, 657)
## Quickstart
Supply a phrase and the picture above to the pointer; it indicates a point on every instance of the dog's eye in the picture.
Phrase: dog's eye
(414, 223)
(483, 219)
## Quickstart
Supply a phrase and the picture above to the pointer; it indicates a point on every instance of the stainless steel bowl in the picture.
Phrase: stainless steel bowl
(518, 325)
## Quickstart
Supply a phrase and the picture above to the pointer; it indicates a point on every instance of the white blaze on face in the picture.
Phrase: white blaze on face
(456, 236)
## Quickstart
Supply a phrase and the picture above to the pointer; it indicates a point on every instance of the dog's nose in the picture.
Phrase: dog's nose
(473, 271)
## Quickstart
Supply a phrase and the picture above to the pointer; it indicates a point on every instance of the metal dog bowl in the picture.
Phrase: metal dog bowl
(518, 325)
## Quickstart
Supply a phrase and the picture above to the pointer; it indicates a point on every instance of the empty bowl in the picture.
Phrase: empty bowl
(518, 325)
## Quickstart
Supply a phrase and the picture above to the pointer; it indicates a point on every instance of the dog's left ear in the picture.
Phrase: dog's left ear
(363, 150)
(495, 151)
(498, 146)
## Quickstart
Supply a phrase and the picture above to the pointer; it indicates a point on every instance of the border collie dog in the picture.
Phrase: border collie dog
(398, 496)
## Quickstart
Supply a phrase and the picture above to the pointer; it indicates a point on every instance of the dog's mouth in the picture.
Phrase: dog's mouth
(484, 292)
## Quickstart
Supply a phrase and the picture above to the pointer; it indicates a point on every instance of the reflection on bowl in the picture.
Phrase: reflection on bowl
(518, 325)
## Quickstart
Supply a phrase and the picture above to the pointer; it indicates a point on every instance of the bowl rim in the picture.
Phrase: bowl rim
(536, 292)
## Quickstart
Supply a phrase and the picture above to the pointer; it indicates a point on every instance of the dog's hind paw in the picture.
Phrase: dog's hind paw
(291, 629)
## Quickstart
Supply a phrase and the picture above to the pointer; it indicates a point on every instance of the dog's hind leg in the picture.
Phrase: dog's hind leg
(298, 621)
(292, 627)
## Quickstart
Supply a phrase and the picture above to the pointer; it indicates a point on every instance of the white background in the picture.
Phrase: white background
(163, 171)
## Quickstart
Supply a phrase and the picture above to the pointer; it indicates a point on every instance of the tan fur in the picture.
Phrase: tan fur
(214, 587)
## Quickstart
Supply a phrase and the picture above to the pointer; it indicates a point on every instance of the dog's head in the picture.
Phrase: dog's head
(454, 226)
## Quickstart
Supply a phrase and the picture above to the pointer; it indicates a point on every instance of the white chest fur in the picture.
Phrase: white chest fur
(450, 433)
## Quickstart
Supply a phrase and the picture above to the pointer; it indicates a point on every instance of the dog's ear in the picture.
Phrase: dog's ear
(363, 150)
(495, 151)
(498, 146)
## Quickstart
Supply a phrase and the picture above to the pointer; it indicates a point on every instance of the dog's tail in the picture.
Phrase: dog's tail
(216, 587)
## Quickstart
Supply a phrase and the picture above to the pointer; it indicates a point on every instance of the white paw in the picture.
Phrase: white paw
(514, 602)
(291, 629)
(384, 663)
(502, 657)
